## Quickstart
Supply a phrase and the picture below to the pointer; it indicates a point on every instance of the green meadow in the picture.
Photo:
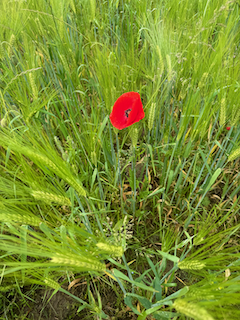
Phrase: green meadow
(100, 223)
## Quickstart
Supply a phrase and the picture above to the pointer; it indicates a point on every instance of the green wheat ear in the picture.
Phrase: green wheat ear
(116, 251)
(191, 265)
(223, 112)
(50, 197)
(151, 116)
(60, 148)
(33, 85)
(202, 81)
(65, 64)
(52, 284)
(235, 115)
(94, 158)
(20, 218)
(11, 43)
(134, 136)
(1, 51)
(8, 288)
(234, 155)
(76, 261)
(200, 294)
(191, 310)
(43, 160)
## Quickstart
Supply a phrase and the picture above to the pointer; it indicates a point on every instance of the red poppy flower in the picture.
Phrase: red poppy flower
(127, 110)
(228, 128)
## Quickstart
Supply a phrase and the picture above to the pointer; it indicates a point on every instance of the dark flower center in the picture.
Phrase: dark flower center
(127, 112)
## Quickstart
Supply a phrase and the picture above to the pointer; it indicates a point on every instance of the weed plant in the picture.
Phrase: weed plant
(147, 216)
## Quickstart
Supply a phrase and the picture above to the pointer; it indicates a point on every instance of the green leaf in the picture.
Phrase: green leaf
(105, 120)
(213, 179)
(47, 231)
(175, 295)
(155, 192)
(169, 256)
(144, 301)
(141, 285)
(170, 178)
(94, 177)
(128, 301)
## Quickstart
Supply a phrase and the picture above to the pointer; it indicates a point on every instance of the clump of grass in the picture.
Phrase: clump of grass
(152, 212)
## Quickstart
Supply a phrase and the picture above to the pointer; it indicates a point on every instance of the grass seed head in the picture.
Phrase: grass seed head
(151, 116)
(116, 251)
(50, 197)
(234, 155)
(223, 112)
(134, 137)
(19, 218)
(191, 310)
(52, 284)
(191, 265)
(85, 264)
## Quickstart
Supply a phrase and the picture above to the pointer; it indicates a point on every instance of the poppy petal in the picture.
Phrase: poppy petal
(127, 110)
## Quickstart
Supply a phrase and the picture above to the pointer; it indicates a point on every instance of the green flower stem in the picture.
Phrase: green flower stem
(84, 218)
(112, 147)
(148, 139)
(119, 173)
(128, 270)
(134, 180)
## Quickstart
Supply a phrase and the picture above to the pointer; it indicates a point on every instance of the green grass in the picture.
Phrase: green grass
(146, 218)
